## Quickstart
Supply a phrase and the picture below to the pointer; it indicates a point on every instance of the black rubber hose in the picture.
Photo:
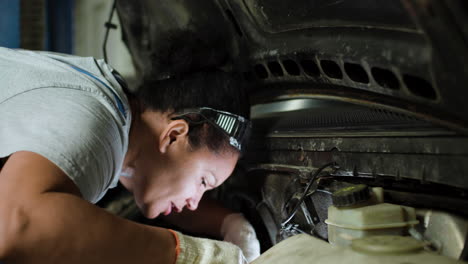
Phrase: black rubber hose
(108, 26)
(304, 194)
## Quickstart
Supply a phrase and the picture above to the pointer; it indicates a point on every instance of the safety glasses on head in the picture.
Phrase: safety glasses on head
(236, 127)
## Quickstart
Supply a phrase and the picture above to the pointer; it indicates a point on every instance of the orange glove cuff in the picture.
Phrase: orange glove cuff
(177, 249)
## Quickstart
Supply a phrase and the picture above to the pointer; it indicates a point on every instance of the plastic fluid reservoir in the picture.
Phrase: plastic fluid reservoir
(362, 218)
(369, 250)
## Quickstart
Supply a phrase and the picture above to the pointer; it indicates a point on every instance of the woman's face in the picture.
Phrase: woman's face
(169, 175)
(179, 181)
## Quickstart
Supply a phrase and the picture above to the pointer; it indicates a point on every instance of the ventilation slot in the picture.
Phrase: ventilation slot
(331, 69)
(275, 68)
(248, 76)
(430, 10)
(261, 71)
(310, 68)
(291, 67)
(385, 78)
(356, 72)
(419, 87)
(346, 118)
(234, 22)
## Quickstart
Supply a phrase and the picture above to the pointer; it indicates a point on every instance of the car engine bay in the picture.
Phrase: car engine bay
(359, 122)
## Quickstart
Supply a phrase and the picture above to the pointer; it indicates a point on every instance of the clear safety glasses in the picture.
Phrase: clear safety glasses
(236, 127)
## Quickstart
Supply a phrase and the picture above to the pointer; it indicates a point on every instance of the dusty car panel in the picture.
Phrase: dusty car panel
(375, 88)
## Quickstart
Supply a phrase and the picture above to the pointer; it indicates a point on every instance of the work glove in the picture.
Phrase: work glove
(237, 230)
(206, 251)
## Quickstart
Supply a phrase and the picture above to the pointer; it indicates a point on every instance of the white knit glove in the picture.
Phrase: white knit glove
(206, 251)
(237, 230)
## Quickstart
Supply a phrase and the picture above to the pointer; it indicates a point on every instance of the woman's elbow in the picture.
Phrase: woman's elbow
(13, 227)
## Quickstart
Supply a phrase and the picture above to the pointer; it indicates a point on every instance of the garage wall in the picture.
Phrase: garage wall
(10, 23)
(37, 24)
(66, 26)
(90, 17)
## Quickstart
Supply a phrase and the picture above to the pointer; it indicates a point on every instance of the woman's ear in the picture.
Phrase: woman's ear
(175, 132)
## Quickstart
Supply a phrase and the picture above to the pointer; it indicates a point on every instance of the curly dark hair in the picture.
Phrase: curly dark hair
(215, 89)
(182, 70)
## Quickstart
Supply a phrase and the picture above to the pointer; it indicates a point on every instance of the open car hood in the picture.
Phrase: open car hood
(408, 56)
(377, 87)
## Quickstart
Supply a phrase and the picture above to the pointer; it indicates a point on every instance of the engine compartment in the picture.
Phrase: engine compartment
(358, 92)
(410, 162)
(298, 160)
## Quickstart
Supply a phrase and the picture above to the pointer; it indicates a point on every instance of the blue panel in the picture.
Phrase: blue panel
(10, 23)
(59, 25)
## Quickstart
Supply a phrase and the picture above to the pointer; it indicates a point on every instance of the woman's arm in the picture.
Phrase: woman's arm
(43, 219)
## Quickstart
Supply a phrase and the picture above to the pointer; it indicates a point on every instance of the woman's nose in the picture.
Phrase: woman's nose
(192, 203)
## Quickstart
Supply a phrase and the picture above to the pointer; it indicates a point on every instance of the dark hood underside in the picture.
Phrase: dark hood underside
(408, 56)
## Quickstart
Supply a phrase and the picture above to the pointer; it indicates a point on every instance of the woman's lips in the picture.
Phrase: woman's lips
(168, 210)
(172, 207)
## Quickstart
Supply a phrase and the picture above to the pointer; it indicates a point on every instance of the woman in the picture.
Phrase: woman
(68, 129)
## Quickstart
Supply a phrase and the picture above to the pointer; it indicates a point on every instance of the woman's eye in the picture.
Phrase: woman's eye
(203, 182)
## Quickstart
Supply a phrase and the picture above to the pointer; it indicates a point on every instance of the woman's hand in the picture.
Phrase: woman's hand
(237, 230)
